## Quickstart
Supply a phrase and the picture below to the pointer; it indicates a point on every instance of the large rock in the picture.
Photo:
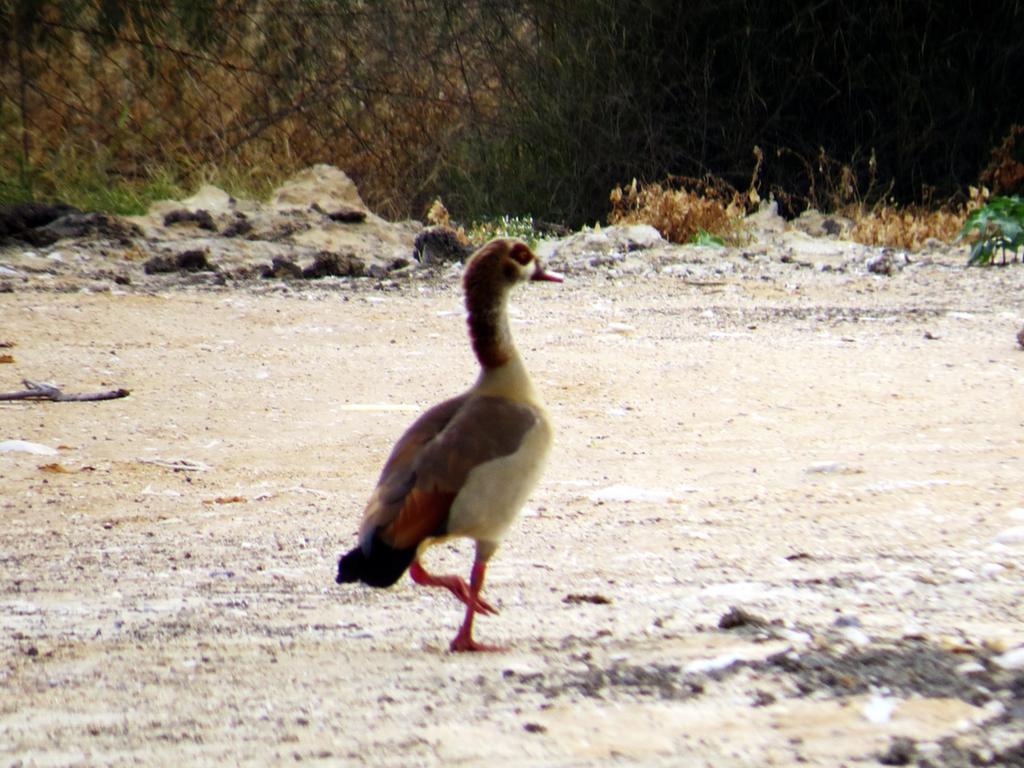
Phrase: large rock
(315, 211)
(324, 186)
(612, 245)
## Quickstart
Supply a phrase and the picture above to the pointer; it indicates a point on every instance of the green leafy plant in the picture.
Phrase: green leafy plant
(519, 227)
(705, 238)
(998, 224)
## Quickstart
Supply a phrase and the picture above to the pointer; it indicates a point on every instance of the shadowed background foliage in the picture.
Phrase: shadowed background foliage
(511, 106)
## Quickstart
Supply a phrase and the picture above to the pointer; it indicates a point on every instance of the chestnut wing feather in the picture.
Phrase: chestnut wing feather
(431, 461)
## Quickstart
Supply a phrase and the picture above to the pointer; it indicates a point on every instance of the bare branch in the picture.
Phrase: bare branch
(38, 391)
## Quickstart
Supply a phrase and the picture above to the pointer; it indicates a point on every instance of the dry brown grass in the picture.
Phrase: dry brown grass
(438, 215)
(281, 91)
(680, 213)
(912, 227)
(906, 228)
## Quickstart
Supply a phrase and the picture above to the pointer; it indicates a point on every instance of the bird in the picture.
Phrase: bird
(466, 466)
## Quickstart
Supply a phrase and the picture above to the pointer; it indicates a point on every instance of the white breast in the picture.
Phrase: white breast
(495, 491)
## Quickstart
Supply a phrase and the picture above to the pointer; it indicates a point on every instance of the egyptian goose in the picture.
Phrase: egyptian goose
(466, 466)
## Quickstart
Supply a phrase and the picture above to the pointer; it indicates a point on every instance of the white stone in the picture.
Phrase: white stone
(796, 637)
(710, 665)
(964, 574)
(1012, 660)
(970, 668)
(1013, 535)
(914, 630)
(992, 569)
(24, 446)
(638, 235)
(856, 636)
(992, 709)
(879, 709)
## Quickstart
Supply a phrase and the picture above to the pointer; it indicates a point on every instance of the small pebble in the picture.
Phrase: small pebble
(724, 661)
(796, 637)
(825, 467)
(994, 708)
(1011, 660)
(1013, 535)
(879, 709)
(857, 637)
(991, 569)
(964, 574)
(970, 668)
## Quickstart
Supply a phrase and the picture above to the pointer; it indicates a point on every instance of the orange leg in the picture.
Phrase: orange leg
(457, 586)
(464, 639)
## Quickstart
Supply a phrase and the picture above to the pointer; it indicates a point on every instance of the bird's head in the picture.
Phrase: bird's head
(500, 264)
(490, 274)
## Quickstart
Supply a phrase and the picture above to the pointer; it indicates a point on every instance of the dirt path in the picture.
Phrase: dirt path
(839, 455)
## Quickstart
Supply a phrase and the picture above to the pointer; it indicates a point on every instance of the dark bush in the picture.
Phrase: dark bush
(846, 100)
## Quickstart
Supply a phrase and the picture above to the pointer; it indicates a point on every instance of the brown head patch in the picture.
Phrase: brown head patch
(521, 253)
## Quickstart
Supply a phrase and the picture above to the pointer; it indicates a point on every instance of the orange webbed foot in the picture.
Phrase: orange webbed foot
(466, 644)
(454, 584)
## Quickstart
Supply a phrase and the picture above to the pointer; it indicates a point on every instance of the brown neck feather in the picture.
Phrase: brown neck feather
(486, 292)
(488, 330)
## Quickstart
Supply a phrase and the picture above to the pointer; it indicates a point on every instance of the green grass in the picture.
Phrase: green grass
(88, 186)
(90, 181)
(120, 195)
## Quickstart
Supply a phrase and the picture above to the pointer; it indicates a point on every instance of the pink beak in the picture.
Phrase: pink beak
(541, 274)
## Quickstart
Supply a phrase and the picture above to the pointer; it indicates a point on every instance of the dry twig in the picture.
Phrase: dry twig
(37, 391)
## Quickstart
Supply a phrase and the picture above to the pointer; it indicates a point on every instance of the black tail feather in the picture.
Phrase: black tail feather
(382, 567)
(350, 566)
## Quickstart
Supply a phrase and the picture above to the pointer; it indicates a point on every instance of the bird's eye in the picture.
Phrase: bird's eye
(521, 253)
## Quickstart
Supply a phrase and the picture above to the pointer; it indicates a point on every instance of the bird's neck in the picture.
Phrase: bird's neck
(502, 371)
(488, 327)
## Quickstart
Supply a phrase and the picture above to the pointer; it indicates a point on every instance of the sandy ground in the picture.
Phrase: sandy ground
(840, 455)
